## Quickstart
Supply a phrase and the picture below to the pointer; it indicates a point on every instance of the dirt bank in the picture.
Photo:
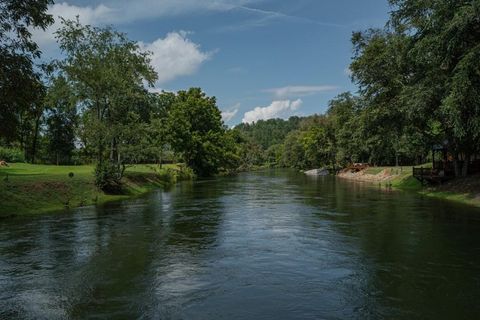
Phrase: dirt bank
(372, 174)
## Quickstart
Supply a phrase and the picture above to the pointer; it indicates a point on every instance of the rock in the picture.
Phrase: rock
(317, 172)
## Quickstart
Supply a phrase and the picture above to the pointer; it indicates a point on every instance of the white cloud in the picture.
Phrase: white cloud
(126, 11)
(298, 91)
(86, 15)
(229, 114)
(277, 109)
(175, 56)
(142, 9)
(172, 57)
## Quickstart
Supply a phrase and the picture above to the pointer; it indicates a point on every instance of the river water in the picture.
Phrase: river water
(268, 245)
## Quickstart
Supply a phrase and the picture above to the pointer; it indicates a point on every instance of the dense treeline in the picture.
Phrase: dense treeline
(93, 106)
(418, 80)
(421, 76)
(346, 133)
(419, 86)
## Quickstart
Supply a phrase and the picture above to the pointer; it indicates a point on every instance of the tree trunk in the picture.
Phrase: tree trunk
(466, 162)
(456, 165)
(35, 138)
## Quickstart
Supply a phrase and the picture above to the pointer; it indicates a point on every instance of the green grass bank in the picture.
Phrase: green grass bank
(35, 189)
(464, 190)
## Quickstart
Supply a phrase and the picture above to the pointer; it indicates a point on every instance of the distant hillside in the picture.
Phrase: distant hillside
(270, 132)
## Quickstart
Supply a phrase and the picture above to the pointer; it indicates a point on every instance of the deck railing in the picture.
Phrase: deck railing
(422, 172)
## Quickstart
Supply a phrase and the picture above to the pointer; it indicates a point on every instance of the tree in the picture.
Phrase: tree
(444, 80)
(158, 136)
(379, 68)
(107, 72)
(61, 121)
(293, 151)
(318, 148)
(269, 132)
(197, 132)
(344, 116)
(20, 85)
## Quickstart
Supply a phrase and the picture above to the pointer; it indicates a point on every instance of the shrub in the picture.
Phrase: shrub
(168, 176)
(171, 175)
(185, 173)
(11, 154)
(108, 177)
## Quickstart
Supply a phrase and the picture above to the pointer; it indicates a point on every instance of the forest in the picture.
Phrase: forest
(418, 82)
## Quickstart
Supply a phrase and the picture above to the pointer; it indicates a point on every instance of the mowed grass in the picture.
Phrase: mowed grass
(33, 189)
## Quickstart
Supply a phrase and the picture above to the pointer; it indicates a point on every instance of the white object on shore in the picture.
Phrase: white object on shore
(317, 172)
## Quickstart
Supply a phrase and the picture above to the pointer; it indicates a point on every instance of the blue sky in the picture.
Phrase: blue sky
(260, 58)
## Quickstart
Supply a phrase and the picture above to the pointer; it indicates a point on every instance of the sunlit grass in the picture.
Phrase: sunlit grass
(32, 189)
(403, 179)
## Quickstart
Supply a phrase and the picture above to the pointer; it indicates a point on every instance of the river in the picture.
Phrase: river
(267, 245)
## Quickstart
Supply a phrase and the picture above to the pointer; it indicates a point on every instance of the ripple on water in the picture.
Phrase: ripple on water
(268, 245)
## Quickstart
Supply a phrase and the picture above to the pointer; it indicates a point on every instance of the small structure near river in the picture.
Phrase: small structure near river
(443, 168)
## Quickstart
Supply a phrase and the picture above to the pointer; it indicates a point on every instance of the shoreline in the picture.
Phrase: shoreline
(461, 190)
(30, 190)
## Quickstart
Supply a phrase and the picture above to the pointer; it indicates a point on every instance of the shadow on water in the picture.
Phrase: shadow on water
(100, 260)
(421, 254)
(271, 245)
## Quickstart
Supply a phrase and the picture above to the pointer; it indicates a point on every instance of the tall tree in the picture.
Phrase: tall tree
(344, 116)
(380, 70)
(61, 121)
(445, 74)
(107, 72)
(20, 85)
(197, 132)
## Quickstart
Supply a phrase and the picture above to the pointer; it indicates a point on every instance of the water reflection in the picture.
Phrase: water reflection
(269, 245)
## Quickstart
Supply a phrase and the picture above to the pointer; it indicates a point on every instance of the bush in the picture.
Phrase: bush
(168, 176)
(108, 177)
(11, 154)
(185, 173)
(171, 175)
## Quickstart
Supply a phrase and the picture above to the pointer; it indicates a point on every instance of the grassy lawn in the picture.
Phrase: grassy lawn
(392, 170)
(32, 189)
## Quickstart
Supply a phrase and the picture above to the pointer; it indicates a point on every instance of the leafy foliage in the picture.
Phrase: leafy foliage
(197, 132)
(20, 86)
(11, 154)
(107, 72)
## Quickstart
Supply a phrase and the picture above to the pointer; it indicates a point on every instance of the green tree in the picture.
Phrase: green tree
(293, 151)
(197, 133)
(20, 86)
(158, 135)
(269, 132)
(107, 72)
(444, 79)
(344, 116)
(380, 70)
(318, 147)
(61, 121)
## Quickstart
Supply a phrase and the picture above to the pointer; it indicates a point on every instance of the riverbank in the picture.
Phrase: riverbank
(35, 189)
(464, 190)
